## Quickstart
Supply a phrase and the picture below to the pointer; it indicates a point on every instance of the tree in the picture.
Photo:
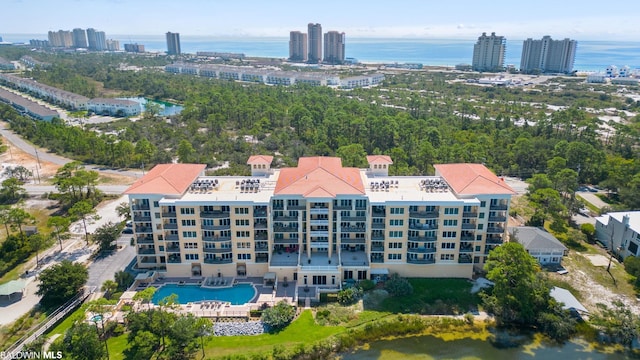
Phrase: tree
(109, 287)
(123, 210)
(5, 217)
(145, 296)
(81, 342)
(518, 294)
(35, 242)
(352, 155)
(589, 231)
(60, 225)
(19, 172)
(84, 210)
(124, 280)
(279, 316)
(349, 296)
(186, 152)
(61, 282)
(183, 337)
(142, 346)
(106, 235)
(12, 191)
(619, 323)
(397, 286)
(19, 217)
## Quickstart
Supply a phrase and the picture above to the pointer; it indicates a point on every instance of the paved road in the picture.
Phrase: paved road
(41, 189)
(103, 268)
(44, 155)
(592, 198)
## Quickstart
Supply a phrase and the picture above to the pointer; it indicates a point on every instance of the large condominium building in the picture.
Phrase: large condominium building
(96, 40)
(297, 46)
(314, 34)
(79, 38)
(113, 45)
(61, 38)
(547, 55)
(173, 43)
(488, 53)
(334, 47)
(318, 224)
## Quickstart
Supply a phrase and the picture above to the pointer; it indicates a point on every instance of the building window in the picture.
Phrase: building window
(395, 245)
(187, 211)
(448, 245)
(243, 234)
(397, 211)
(191, 256)
(190, 245)
(396, 222)
(244, 256)
(395, 234)
(242, 222)
(447, 257)
(243, 245)
(242, 211)
(189, 234)
(394, 256)
(452, 222)
(451, 211)
(449, 234)
(190, 222)
(480, 226)
(483, 204)
(481, 215)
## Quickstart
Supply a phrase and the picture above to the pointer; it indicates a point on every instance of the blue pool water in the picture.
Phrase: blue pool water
(236, 295)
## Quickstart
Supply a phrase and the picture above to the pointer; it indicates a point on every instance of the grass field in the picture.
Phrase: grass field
(435, 296)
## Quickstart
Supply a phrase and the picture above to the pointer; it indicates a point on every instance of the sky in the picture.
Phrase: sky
(457, 19)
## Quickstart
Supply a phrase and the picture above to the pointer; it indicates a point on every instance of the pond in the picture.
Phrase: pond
(167, 108)
(429, 347)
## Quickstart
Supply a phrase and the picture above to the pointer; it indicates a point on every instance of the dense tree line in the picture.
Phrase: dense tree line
(418, 119)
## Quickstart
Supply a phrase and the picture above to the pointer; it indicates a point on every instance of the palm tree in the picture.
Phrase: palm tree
(109, 287)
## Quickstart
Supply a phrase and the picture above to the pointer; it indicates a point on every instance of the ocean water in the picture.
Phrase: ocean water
(590, 55)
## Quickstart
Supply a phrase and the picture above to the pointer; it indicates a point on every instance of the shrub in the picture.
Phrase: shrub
(278, 316)
(397, 286)
(367, 285)
(589, 230)
(349, 296)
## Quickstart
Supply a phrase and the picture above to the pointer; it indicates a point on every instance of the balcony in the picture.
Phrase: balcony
(141, 218)
(319, 222)
(217, 250)
(377, 225)
(498, 207)
(143, 230)
(421, 261)
(170, 226)
(468, 226)
(377, 260)
(140, 207)
(467, 237)
(342, 207)
(147, 260)
(216, 238)
(278, 207)
(261, 248)
(171, 237)
(423, 214)
(415, 226)
(497, 218)
(495, 230)
(494, 240)
(218, 261)
(260, 236)
(144, 240)
(215, 227)
(146, 251)
(469, 214)
(378, 213)
(353, 229)
(377, 248)
(466, 249)
(172, 249)
(422, 238)
(353, 218)
(288, 229)
(259, 213)
(421, 250)
(214, 214)
(465, 260)
(260, 225)
(174, 259)
(262, 258)
(361, 207)
(298, 207)
(285, 218)
(285, 241)
(169, 214)
(377, 236)
(352, 241)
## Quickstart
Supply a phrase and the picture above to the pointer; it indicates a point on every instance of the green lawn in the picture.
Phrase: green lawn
(303, 330)
(434, 296)
(116, 346)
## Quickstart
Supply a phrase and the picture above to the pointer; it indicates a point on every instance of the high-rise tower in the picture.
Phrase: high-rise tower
(315, 43)
(547, 55)
(334, 47)
(488, 53)
(79, 38)
(173, 43)
(297, 46)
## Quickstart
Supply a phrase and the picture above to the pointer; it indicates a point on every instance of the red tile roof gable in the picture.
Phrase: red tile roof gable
(167, 179)
(471, 179)
(319, 177)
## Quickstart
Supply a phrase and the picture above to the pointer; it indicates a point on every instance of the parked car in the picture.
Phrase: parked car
(583, 188)
(129, 223)
(127, 230)
(592, 189)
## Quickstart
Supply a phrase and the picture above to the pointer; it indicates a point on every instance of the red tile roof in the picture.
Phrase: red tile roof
(471, 179)
(167, 179)
(319, 177)
(260, 159)
(379, 159)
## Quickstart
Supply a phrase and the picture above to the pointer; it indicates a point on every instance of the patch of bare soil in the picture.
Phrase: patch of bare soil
(15, 157)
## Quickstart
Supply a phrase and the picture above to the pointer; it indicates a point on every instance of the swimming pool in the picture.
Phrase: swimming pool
(236, 295)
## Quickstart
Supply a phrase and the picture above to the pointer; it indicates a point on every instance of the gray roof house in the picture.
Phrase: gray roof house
(540, 244)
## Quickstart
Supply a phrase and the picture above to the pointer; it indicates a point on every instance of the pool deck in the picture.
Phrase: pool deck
(217, 310)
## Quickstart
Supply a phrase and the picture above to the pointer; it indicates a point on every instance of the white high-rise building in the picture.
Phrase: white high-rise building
(488, 53)
(548, 55)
